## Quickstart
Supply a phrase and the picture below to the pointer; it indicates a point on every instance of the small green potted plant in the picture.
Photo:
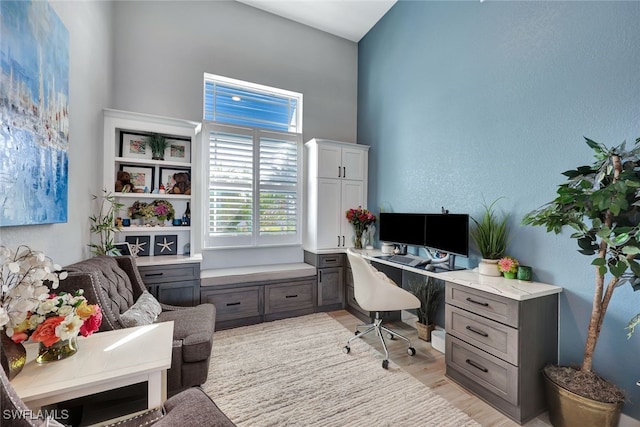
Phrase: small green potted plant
(430, 293)
(508, 266)
(490, 235)
(158, 144)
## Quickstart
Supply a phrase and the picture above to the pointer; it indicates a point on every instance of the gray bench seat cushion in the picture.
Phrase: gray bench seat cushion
(259, 273)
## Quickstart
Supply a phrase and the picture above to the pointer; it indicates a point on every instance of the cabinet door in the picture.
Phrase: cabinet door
(329, 161)
(352, 197)
(185, 293)
(330, 286)
(353, 164)
(329, 214)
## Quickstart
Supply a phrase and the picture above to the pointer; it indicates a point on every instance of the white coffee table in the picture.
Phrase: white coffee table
(104, 361)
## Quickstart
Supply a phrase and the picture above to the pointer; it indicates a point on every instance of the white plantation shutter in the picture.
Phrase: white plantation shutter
(279, 184)
(231, 186)
(254, 179)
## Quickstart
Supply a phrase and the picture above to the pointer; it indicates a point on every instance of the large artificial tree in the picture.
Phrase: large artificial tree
(601, 203)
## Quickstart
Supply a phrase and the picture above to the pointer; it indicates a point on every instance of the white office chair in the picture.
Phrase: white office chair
(374, 291)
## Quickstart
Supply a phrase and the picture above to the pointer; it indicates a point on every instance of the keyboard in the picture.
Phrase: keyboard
(402, 259)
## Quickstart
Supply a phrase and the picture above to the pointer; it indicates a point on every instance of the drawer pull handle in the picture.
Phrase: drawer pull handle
(233, 303)
(331, 260)
(476, 331)
(343, 241)
(484, 304)
(339, 176)
(338, 241)
(152, 274)
(344, 171)
(475, 365)
(291, 296)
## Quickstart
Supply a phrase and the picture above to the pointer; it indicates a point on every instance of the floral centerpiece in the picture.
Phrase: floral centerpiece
(56, 322)
(508, 266)
(360, 219)
(160, 209)
(26, 277)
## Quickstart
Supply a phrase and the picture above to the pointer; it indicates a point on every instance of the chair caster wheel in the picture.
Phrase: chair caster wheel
(391, 336)
(346, 349)
(411, 351)
(385, 364)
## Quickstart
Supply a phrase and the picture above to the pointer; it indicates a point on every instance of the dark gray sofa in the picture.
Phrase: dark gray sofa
(115, 284)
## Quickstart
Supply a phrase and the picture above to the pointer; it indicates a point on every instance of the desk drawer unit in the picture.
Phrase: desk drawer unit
(235, 303)
(496, 347)
(332, 260)
(288, 297)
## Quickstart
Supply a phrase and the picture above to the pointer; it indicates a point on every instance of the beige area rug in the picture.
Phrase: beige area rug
(293, 372)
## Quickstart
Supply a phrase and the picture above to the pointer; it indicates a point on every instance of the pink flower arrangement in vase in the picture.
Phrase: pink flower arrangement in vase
(508, 266)
(55, 324)
(360, 219)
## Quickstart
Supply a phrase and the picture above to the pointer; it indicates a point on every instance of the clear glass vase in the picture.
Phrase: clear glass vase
(58, 351)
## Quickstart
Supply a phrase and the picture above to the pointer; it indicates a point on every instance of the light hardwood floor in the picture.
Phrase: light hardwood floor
(428, 366)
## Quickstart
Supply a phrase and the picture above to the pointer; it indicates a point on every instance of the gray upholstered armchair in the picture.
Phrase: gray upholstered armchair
(191, 407)
(115, 284)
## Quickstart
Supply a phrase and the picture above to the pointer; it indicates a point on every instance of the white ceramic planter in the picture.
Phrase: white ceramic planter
(489, 267)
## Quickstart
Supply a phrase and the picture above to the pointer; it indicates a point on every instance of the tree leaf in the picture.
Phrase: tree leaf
(598, 261)
(631, 250)
(618, 268)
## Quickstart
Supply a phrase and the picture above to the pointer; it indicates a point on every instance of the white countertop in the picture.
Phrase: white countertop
(509, 288)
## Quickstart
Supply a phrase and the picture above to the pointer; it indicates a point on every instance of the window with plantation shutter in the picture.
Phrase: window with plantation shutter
(254, 189)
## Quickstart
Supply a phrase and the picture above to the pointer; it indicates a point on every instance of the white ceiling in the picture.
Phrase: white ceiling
(349, 19)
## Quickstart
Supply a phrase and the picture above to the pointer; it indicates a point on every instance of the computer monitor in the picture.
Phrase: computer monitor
(447, 233)
(402, 228)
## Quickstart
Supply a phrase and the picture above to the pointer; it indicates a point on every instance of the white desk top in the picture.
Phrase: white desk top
(508, 288)
(105, 357)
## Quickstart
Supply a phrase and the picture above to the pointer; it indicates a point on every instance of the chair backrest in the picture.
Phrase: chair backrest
(111, 282)
(13, 410)
(374, 291)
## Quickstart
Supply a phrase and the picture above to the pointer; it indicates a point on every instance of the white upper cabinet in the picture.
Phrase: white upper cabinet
(336, 180)
(340, 159)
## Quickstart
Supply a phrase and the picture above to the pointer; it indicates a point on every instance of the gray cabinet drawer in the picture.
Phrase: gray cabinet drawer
(493, 374)
(169, 273)
(234, 303)
(500, 309)
(493, 337)
(330, 260)
(288, 297)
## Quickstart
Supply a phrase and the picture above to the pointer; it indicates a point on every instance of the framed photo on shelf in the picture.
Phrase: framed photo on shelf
(141, 176)
(123, 248)
(134, 146)
(178, 150)
(139, 245)
(166, 177)
(165, 244)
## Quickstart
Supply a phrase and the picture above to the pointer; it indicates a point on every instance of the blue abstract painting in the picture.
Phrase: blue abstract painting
(34, 120)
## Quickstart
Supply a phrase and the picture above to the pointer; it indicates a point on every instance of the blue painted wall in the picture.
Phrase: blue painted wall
(462, 101)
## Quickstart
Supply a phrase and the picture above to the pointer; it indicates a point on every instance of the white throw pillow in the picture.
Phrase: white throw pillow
(144, 312)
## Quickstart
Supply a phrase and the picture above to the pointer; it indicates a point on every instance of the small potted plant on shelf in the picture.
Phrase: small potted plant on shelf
(490, 235)
(508, 266)
(158, 144)
(154, 213)
(601, 203)
(429, 292)
(104, 224)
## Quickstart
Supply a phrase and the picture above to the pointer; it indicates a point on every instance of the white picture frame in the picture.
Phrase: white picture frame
(134, 146)
(178, 150)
